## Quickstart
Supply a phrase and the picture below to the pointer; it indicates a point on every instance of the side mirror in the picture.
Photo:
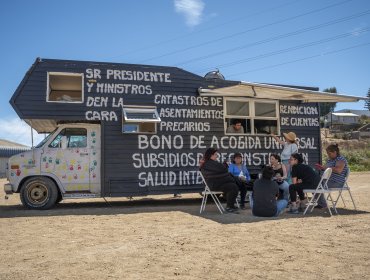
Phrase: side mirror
(64, 142)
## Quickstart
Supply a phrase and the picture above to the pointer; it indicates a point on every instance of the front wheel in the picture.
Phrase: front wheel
(39, 193)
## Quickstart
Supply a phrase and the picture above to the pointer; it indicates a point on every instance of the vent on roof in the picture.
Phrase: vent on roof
(214, 75)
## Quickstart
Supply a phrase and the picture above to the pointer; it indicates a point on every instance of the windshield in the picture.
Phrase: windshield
(45, 139)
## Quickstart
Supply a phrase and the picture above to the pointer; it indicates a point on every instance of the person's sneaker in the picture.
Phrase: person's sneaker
(232, 210)
(302, 207)
(319, 207)
(293, 211)
(303, 203)
(242, 207)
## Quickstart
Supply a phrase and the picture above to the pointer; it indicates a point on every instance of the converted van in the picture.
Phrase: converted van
(124, 130)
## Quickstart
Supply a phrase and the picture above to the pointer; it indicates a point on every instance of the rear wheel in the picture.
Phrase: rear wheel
(39, 193)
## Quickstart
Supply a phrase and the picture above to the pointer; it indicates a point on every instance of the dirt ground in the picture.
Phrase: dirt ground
(166, 238)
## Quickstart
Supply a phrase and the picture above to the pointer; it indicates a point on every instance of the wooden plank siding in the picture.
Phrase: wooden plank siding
(127, 168)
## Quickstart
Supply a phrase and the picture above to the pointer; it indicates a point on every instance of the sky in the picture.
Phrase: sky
(318, 43)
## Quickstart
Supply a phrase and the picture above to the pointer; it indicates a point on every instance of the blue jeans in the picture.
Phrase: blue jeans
(281, 204)
(285, 188)
(288, 170)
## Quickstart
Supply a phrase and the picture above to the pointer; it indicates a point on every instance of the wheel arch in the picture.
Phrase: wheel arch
(20, 185)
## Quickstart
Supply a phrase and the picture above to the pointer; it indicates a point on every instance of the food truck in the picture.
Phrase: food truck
(125, 130)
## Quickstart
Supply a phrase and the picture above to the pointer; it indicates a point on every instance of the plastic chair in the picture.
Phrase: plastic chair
(321, 190)
(345, 188)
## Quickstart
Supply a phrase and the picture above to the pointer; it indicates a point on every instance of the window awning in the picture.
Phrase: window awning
(140, 114)
(265, 91)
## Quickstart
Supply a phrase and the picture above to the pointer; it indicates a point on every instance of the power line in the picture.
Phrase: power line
(297, 32)
(205, 29)
(298, 60)
(229, 64)
(245, 31)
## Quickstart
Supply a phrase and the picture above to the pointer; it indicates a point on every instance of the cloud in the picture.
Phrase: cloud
(191, 9)
(358, 31)
(16, 130)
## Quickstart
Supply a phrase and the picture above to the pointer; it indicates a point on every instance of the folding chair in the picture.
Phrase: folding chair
(344, 188)
(321, 190)
(207, 191)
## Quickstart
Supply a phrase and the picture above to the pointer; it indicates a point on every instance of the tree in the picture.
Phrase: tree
(367, 102)
(327, 107)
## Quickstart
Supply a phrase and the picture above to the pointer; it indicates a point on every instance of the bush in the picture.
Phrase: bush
(358, 158)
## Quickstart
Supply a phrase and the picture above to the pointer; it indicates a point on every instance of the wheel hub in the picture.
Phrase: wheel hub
(37, 193)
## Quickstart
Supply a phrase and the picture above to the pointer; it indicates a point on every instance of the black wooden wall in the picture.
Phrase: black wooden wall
(165, 162)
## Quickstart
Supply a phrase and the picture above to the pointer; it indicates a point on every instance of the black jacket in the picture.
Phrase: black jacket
(216, 174)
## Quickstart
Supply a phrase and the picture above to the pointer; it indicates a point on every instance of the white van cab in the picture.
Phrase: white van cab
(66, 164)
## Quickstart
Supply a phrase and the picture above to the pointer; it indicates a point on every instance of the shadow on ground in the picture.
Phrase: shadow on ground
(148, 205)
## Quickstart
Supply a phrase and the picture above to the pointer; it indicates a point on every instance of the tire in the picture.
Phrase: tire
(59, 198)
(39, 193)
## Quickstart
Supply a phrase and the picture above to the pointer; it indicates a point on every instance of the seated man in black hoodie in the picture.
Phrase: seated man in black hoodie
(264, 201)
(219, 179)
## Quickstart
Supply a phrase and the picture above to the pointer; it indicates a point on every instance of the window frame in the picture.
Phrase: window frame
(252, 114)
(64, 74)
(138, 109)
(65, 129)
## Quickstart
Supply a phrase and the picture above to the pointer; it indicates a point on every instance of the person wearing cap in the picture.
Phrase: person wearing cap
(290, 147)
(241, 174)
(235, 127)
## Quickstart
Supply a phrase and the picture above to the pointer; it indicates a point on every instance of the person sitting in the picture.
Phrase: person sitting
(235, 127)
(242, 177)
(339, 167)
(280, 175)
(219, 179)
(290, 147)
(264, 201)
(303, 177)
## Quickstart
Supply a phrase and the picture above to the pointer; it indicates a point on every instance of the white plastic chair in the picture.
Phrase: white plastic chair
(340, 190)
(321, 190)
(207, 191)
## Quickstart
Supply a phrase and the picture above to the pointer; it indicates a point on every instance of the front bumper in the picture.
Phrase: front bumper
(8, 188)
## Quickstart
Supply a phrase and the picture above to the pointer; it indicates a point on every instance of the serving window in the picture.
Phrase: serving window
(65, 87)
(251, 116)
(140, 120)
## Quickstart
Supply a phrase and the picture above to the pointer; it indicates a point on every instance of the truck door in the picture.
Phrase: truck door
(74, 157)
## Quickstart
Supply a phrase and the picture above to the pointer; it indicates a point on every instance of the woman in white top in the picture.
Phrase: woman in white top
(290, 147)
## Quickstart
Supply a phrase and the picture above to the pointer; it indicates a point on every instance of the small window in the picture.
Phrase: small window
(140, 120)
(65, 87)
(250, 116)
(265, 109)
(237, 108)
(76, 138)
